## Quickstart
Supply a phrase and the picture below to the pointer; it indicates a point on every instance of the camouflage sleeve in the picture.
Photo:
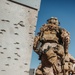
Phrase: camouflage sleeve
(66, 39)
(36, 39)
(65, 35)
(37, 43)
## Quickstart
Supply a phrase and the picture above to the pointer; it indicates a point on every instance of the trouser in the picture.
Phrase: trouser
(46, 70)
(51, 65)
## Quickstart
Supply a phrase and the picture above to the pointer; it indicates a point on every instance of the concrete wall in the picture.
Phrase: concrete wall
(17, 29)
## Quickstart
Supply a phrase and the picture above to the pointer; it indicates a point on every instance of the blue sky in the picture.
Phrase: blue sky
(64, 10)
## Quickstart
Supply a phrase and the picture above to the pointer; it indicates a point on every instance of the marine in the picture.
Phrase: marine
(51, 44)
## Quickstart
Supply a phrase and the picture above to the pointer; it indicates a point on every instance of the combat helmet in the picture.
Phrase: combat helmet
(53, 20)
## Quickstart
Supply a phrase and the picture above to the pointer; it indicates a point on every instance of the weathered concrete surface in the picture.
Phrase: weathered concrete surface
(17, 28)
(31, 3)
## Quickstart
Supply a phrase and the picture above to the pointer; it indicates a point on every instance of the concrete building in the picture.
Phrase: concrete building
(17, 28)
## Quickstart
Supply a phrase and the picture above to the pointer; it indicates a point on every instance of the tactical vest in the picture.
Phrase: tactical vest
(49, 33)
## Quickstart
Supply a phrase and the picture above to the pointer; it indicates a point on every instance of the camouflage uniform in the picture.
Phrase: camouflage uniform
(51, 44)
(71, 65)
